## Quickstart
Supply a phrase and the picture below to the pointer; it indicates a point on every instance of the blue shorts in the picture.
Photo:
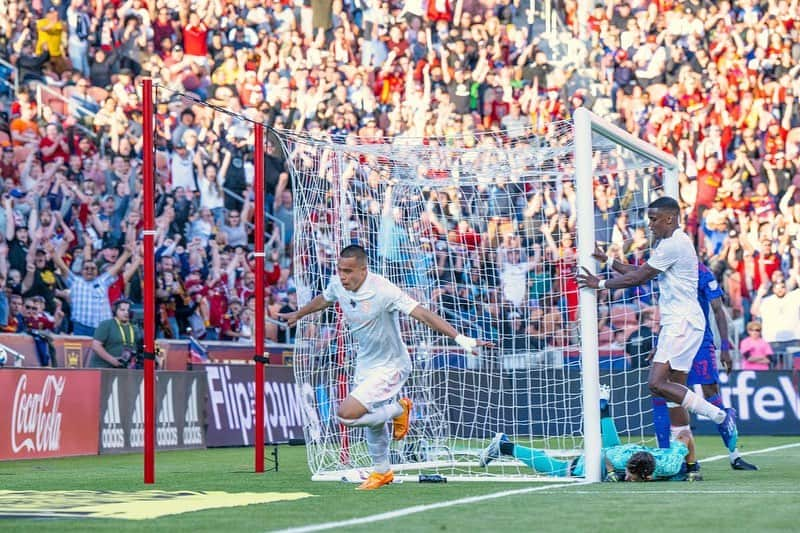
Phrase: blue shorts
(704, 366)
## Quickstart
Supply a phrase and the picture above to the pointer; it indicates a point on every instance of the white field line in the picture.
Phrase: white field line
(422, 508)
(732, 492)
(406, 511)
(752, 452)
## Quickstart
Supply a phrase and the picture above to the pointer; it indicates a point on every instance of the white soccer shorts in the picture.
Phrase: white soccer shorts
(678, 344)
(379, 385)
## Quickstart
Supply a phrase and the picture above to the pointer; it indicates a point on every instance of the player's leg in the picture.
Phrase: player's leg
(608, 429)
(678, 415)
(677, 347)
(371, 404)
(669, 417)
(534, 458)
(661, 421)
(711, 394)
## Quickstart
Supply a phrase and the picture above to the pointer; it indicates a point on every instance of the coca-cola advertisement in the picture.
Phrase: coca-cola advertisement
(48, 413)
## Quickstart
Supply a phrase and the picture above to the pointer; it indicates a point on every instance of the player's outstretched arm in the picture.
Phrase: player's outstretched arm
(319, 303)
(642, 274)
(437, 323)
(722, 327)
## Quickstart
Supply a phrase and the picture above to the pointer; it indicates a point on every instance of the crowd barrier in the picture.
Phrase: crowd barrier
(72, 351)
(67, 412)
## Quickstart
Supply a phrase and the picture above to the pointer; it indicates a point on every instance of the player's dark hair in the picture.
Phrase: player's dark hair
(354, 251)
(642, 464)
(666, 203)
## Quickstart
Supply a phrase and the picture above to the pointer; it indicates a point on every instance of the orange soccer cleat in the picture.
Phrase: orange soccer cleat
(401, 422)
(376, 480)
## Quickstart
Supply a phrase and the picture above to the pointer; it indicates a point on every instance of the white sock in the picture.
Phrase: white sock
(735, 454)
(697, 404)
(381, 414)
(378, 446)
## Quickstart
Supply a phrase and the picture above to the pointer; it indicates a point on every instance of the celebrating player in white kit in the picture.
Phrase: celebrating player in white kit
(674, 262)
(370, 304)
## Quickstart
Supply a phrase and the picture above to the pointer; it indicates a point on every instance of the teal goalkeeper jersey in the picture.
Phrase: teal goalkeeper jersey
(669, 461)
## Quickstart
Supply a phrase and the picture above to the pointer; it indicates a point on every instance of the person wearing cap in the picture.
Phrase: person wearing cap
(88, 292)
(182, 167)
(49, 36)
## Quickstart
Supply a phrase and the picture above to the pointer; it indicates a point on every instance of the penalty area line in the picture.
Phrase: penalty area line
(423, 508)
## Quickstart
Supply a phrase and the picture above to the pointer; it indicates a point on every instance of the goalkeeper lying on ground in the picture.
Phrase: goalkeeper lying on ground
(623, 462)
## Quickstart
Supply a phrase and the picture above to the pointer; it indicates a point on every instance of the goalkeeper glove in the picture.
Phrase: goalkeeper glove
(468, 343)
(612, 477)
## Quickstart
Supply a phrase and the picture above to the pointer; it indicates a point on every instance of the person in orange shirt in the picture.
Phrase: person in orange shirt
(24, 130)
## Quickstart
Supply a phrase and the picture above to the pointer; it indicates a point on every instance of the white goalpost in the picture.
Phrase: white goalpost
(587, 127)
(482, 228)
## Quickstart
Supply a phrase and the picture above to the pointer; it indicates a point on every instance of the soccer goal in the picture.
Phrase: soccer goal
(487, 230)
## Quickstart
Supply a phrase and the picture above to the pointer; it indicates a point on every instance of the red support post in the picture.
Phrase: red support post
(148, 199)
(258, 238)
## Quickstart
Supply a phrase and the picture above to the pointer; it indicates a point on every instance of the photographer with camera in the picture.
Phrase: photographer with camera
(116, 340)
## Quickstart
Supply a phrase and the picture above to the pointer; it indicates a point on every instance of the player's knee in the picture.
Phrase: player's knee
(348, 412)
(656, 387)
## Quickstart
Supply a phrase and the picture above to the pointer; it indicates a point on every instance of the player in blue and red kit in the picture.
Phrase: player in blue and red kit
(704, 367)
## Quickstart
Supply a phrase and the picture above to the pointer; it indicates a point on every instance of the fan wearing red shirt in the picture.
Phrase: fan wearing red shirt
(709, 178)
(217, 296)
(737, 201)
(464, 235)
(36, 317)
(439, 10)
(195, 35)
(775, 139)
(54, 145)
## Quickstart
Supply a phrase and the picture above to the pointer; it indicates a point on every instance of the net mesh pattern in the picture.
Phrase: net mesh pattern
(480, 229)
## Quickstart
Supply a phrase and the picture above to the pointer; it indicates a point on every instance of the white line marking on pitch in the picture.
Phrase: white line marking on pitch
(422, 508)
(753, 452)
(492, 496)
(690, 491)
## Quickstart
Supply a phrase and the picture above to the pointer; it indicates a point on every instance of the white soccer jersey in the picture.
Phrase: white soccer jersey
(676, 259)
(371, 313)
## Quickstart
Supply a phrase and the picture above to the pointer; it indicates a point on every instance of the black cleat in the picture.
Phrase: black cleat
(741, 464)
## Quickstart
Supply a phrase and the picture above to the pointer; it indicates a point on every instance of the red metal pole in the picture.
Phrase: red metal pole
(258, 190)
(148, 197)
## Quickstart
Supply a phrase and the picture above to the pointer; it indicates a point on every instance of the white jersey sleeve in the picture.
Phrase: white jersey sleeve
(665, 255)
(397, 300)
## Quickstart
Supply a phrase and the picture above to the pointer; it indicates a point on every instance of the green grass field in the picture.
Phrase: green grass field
(767, 500)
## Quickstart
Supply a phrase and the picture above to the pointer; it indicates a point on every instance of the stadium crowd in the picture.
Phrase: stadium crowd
(715, 83)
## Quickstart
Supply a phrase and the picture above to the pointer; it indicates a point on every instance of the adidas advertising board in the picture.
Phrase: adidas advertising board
(230, 405)
(179, 422)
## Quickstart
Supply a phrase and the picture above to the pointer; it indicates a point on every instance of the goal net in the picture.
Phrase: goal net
(486, 230)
